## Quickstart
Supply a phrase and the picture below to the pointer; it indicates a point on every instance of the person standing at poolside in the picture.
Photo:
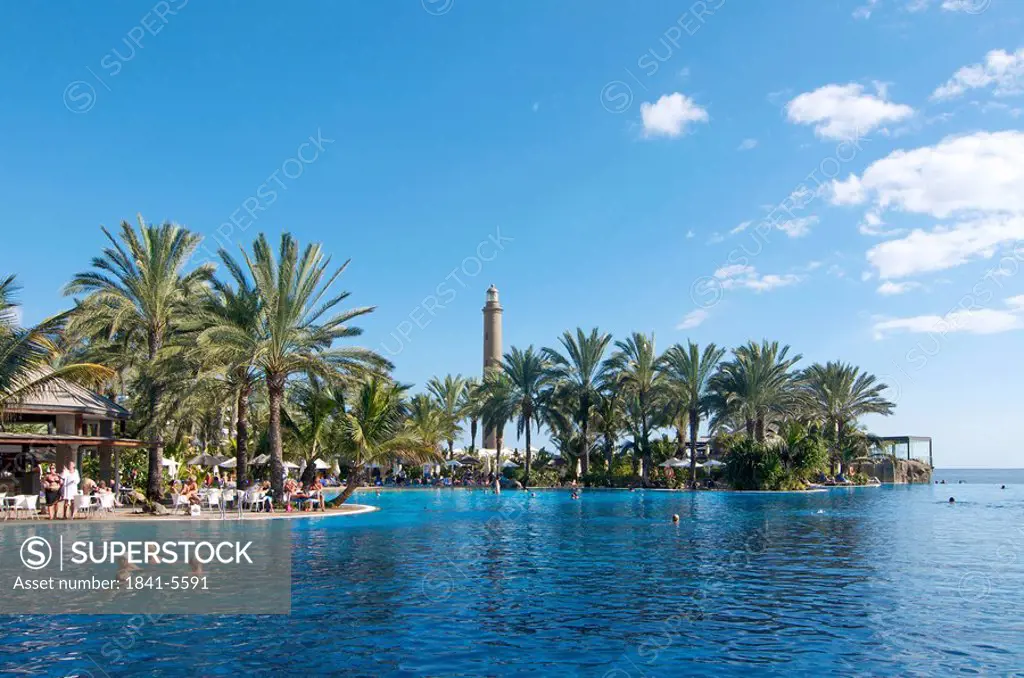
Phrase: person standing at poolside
(51, 489)
(69, 490)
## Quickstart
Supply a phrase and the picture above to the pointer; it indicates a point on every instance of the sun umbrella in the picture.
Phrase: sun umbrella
(230, 463)
(205, 460)
(321, 465)
(453, 463)
(675, 462)
(261, 460)
(509, 464)
(714, 463)
(290, 466)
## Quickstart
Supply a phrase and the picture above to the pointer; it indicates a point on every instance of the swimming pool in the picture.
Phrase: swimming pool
(454, 582)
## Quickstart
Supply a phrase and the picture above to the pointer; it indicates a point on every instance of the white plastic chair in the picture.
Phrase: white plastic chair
(32, 505)
(106, 503)
(215, 499)
(178, 501)
(16, 504)
(83, 504)
(250, 498)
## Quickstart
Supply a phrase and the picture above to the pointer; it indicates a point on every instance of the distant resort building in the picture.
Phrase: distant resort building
(64, 422)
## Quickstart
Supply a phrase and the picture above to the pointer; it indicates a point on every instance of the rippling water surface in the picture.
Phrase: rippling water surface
(868, 581)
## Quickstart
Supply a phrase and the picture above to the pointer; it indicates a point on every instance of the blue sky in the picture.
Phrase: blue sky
(846, 177)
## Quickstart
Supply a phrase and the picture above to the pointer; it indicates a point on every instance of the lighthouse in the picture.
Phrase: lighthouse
(492, 346)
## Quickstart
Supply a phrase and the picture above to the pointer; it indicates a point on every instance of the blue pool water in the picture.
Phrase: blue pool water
(871, 581)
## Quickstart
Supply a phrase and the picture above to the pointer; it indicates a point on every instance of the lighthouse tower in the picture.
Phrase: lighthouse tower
(492, 345)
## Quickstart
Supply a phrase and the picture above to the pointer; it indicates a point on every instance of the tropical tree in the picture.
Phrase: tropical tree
(427, 420)
(469, 408)
(298, 325)
(375, 431)
(448, 394)
(757, 386)
(313, 407)
(27, 354)
(579, 370)
(496, 410)
(229, 325)
(139, 287)
(837, 394)
(635, 371)
(609, 423)
(688, 371)
(528, 377)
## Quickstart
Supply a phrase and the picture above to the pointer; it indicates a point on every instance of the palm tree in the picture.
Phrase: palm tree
(28, 353)
(528, 376)
(609, 423)
(296, 334)
(581, 371)
(689, 371)
(837, 394)
(469, 408)
(312, 408)
(496, 410)
(139, 286)
(448, 394)
(757, 386)
(427, 419)
(229, 337)
(375, 430)
(635, 366)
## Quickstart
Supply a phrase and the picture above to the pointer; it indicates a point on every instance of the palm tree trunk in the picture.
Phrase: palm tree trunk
(529, 456)
(472, 435)
(694, 423)
(242, 437)
(354, 481)
(451, 448)
(750, 428)
(154, 484)
(609, 453)
(499, 442)
(275, 392)
(759, 430)
(585, 439)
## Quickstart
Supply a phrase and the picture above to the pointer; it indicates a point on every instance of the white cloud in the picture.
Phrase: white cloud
(670, 115)
(1004, 70)
(715, 238)
(738, 276)
(889, 288)
(747, 145)
(966, 6)
(941, 248)
(693, 319)
(690, 234)
(975, 321)
(536, 106)
(981, 172)
(733, 270)
(742, 227)
(845, 111)
(797, 228)
(864, 11)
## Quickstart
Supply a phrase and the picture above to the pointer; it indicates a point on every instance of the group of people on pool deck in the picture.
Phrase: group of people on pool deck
(310, 496)
(60, 489)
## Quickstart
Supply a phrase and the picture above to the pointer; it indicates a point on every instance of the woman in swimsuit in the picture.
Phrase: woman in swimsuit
(51, 487)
